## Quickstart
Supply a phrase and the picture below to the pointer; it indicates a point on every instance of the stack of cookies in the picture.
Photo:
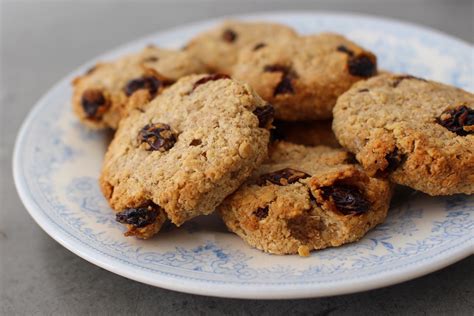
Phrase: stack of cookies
(295, 141)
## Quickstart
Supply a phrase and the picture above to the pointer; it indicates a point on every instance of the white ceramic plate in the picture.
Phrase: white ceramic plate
(57, 161)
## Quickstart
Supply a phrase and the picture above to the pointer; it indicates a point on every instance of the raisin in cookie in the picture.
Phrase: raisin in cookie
(306, 198)
(103, 95)
(417, 132)
(184, 152)
(309, 133)
(219, 47)
(303, 76)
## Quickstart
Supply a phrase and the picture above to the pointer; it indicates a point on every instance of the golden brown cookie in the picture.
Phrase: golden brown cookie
(417, 132)
(184, 152)
(303, 76)
(105, 93)
(306, 198)
(218, 48)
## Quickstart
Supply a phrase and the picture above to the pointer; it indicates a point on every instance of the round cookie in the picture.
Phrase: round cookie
(305, 198)
(219, 47)
(105, 93)
(417, 132)
(309, 133)
(303, 76)
(184, 152)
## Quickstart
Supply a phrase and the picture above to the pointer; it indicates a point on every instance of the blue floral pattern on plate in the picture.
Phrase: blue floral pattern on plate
(57, 162)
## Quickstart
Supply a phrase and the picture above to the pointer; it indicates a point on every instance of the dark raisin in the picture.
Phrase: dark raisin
(229, 36)
(399, 79)
(151, 59)
(344, 49)
(158, 136)
(265, 115)
(348, 199)
(93, 103)
(212, 77)
(195, 142)
(282, 177)
(138, 217)
(394, 159)
(362, 65)
(455, 120)
(150, 83)
(285, 85)
(261, 212)
(363, 90)
(258, 46)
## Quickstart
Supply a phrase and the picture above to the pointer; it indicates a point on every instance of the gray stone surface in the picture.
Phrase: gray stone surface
(42, 41)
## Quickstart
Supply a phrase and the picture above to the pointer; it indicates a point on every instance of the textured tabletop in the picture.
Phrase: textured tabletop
(41, 41)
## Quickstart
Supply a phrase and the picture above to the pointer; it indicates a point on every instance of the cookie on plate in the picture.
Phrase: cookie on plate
(306, 198)
(219, 47)
(303, 76)
(184, 152)
(309, 133)
(417, 132)
(105, 93)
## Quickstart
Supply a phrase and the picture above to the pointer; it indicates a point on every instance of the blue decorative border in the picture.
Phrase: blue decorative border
(39, 159)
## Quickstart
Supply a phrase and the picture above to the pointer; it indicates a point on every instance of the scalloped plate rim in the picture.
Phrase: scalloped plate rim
(262, 291)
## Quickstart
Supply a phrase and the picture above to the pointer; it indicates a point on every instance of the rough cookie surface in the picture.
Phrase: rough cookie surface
(417, 132)
(186, 150)
(107, 91)
(303, 76)
(305, 198)
(309, 133)
(219, 47)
